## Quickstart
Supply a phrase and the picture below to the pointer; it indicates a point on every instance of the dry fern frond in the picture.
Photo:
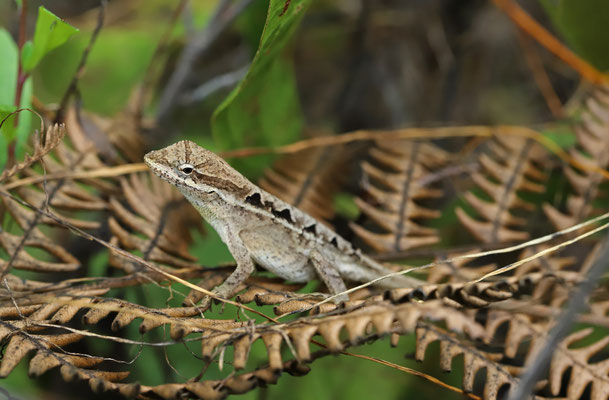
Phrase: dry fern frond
(15, 245)
(520, 337)
(482, 294)
(392, 183)
(52, 138)
(60, 310)
(65, 197)
(511, 166)
(309, 179)
(76, 202)
(119, 134)
(474, 360)
(583, 371)
(26, 330)
(593, 147)
(359, 325)
(160, 214)
(55, 259)
(49, 353)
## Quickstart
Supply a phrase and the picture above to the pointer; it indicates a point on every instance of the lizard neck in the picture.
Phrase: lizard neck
(205, 203)
(213, 209)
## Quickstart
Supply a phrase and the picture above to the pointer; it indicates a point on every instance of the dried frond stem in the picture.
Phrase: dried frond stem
(411, 371)
(421, 133)
(547, 40)
(107, 172)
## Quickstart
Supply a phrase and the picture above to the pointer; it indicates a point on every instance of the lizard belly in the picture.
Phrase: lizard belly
(275, 251)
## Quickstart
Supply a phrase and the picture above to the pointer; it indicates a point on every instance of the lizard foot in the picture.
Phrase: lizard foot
(206, 303)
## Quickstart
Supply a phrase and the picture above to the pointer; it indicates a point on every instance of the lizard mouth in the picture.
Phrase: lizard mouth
(148, 159)
(157, 168)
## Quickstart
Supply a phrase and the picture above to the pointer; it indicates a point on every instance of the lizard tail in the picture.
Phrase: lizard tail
(376, 270)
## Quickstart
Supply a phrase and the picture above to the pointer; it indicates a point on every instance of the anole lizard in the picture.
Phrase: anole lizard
(257, 226)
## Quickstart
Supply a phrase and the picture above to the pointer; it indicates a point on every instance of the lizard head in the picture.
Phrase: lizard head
(196, 171)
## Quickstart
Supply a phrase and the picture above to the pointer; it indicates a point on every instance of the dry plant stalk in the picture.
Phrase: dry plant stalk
(53, 136)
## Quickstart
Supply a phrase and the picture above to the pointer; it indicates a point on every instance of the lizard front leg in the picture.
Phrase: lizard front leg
(245, 267)
(329, 275)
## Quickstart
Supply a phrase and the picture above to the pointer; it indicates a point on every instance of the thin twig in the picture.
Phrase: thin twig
(541, 76)
(200, 44)
(576, 304)
(447, 172)
(21, 74)
(106, 172)
(525, 22)
(435, 253)
(10, 293)
(542, 253)
(134, 279)
(27, 232)
(219, 82)
(414, 372)
(73, 87)
(154, 63)
(111, 338)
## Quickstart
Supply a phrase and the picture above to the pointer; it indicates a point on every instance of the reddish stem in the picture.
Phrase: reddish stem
(21, 75)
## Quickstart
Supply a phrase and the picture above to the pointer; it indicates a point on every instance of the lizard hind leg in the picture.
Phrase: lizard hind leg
(329, 275)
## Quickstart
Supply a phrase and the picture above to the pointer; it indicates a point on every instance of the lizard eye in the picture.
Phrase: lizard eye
(186, 168)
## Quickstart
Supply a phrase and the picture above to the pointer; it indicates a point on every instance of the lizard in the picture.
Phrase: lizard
(258, 227)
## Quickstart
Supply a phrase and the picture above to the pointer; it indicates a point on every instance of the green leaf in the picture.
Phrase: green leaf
(562, 136)
(8, 128)
(344, 204)
(25, 119)
(8, 86)
(583, 24)
(264, 110)
(8, 68)
(51, 32)
(8, 131)
(106, 84)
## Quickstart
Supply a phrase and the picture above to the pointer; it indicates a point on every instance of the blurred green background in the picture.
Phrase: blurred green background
(280, 71)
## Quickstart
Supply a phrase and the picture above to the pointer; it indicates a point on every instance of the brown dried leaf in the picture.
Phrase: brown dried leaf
(592, 148)
(159, 213)
(110, 135)
(309, 179)
(510, 166)
(392, 183)
(53, 137)
(482, 294)
(474, 360)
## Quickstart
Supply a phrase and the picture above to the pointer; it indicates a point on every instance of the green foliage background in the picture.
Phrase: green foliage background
(264, 109)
